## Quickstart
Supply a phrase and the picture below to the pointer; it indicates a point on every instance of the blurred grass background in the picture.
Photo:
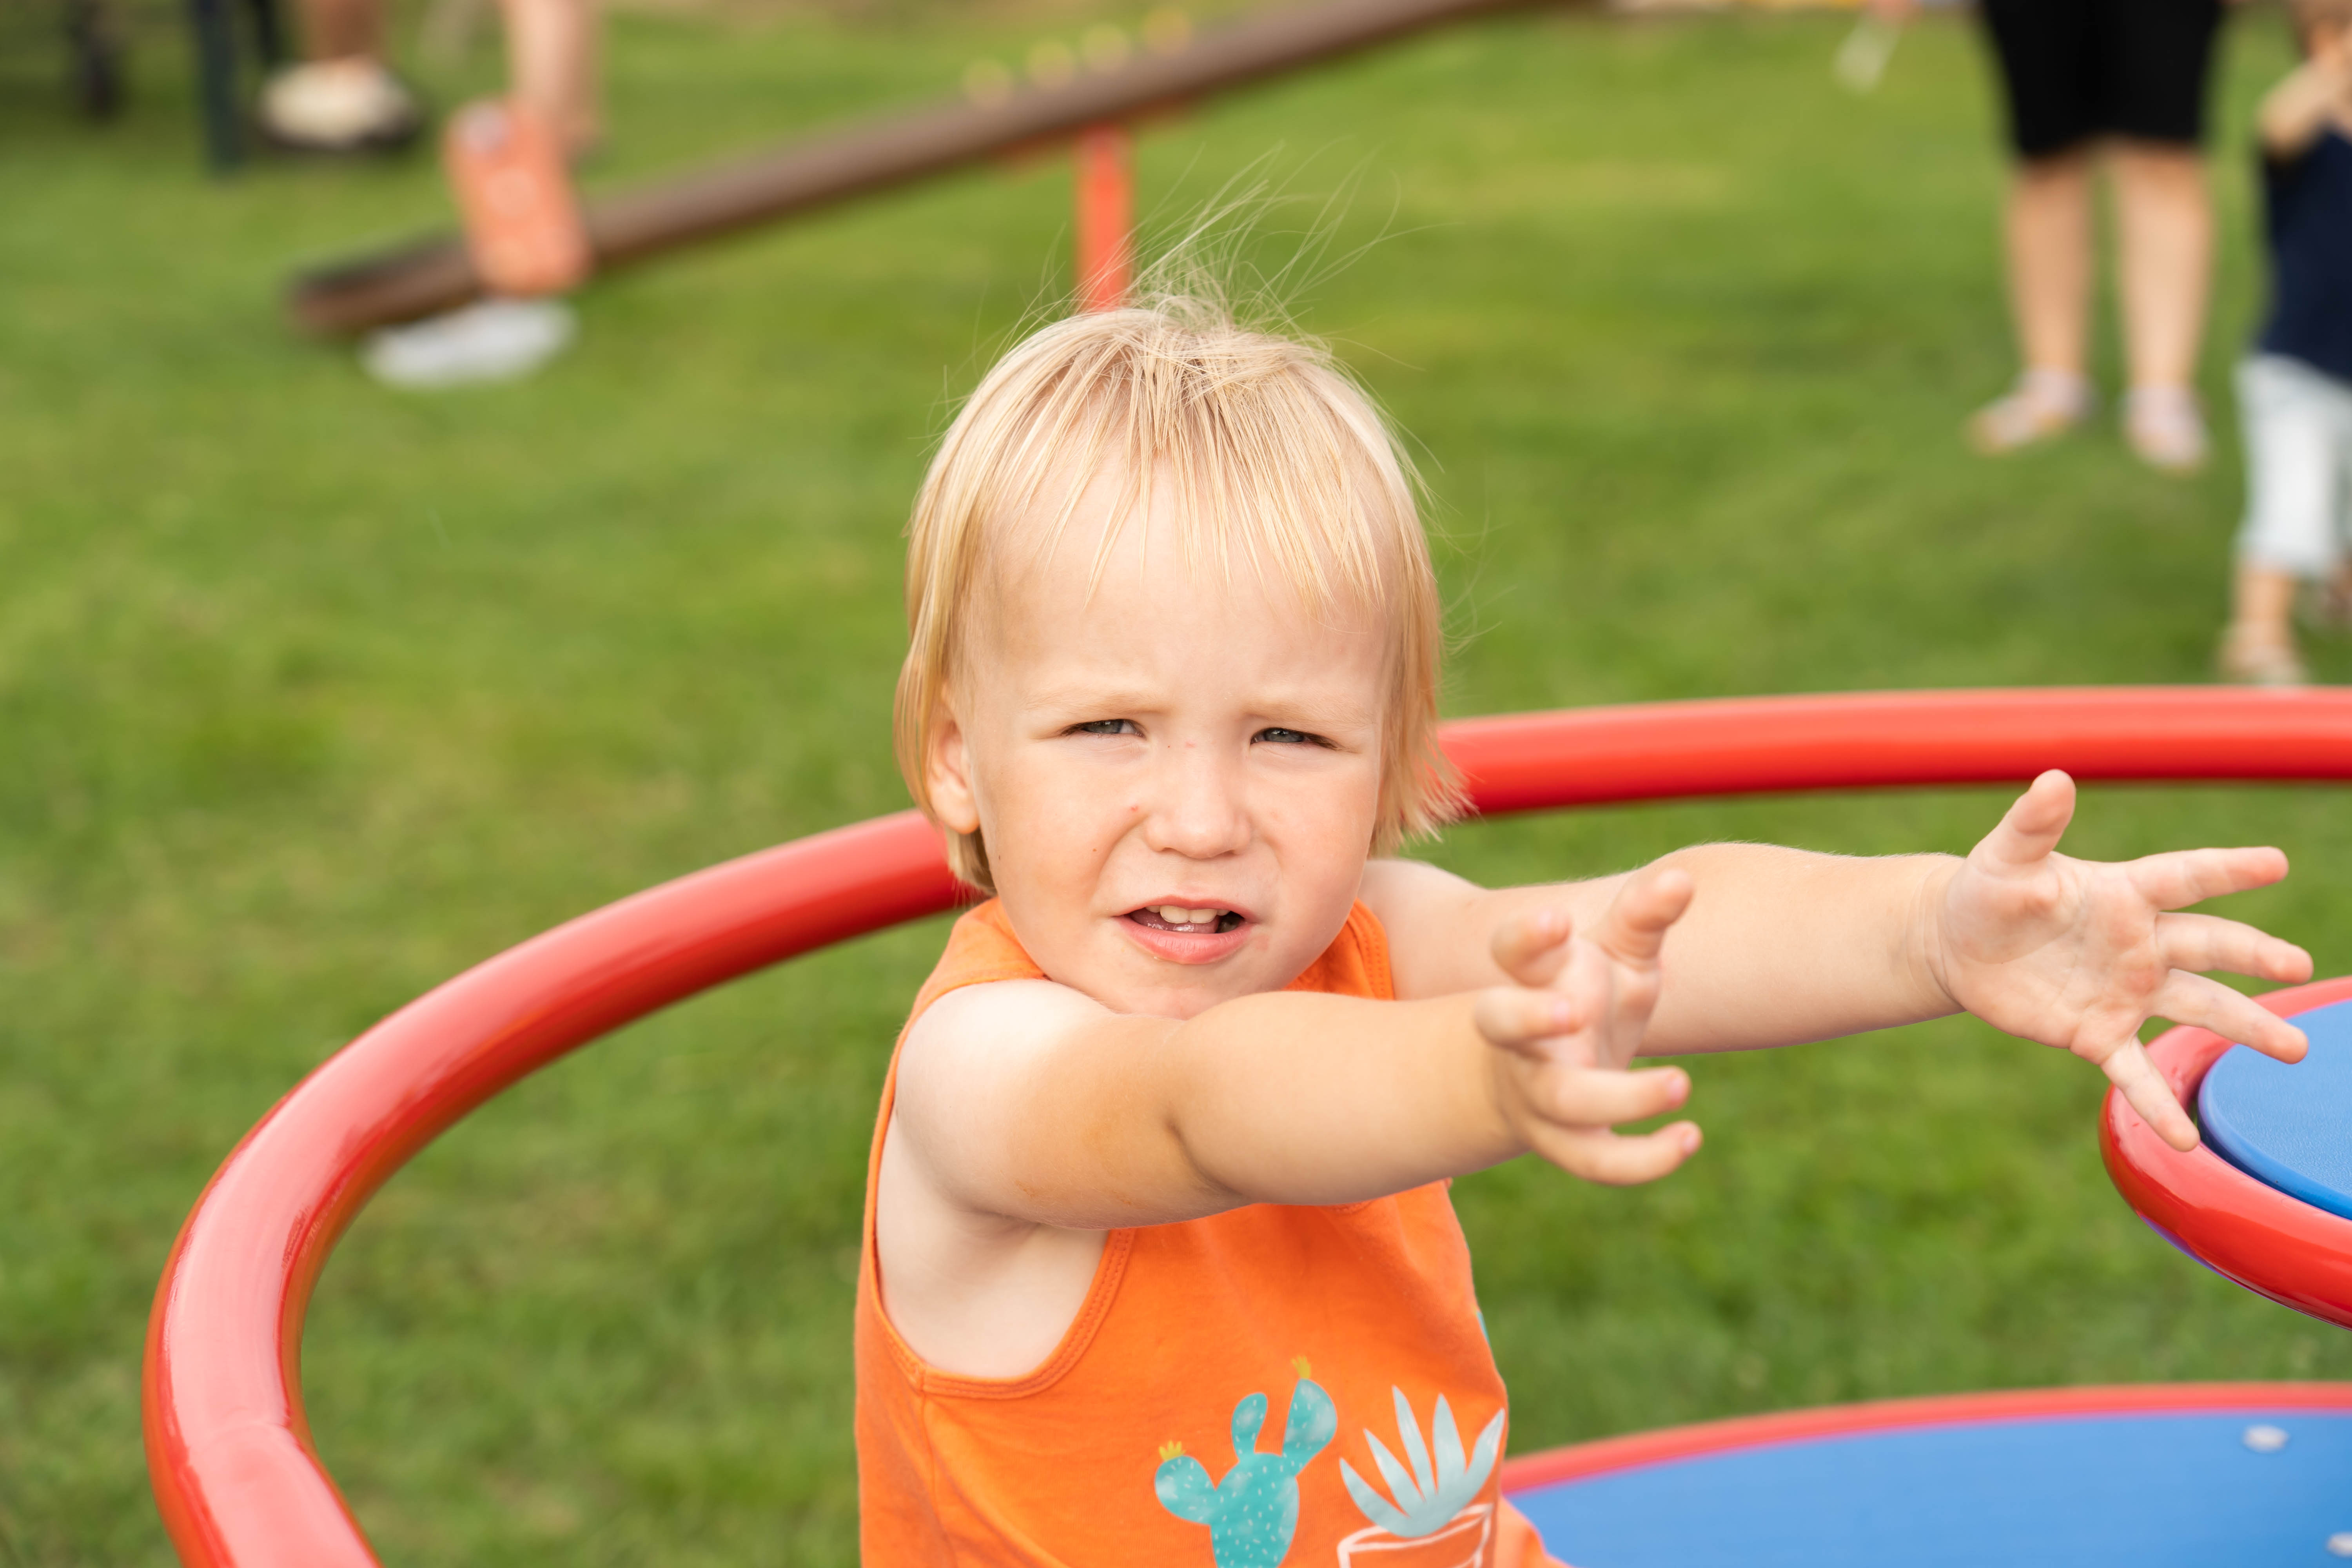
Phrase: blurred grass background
(312, 694)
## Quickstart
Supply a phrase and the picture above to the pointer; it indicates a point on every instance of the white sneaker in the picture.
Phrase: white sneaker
(339, 106)
(496, 340)
(2166, 428)
(2043, 404)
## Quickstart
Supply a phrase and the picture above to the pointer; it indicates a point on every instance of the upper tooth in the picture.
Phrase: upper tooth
(1175, 914)
(1203, 917)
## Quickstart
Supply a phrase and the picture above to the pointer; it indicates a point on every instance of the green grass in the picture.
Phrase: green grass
(311, 694)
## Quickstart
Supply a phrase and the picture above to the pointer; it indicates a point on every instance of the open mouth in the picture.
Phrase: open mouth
(1185, 920)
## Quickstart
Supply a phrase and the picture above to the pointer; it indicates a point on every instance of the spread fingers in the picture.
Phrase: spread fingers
(1576, 1096)
(1519, 1019)
(2187, 998)
(2129, 1069)
(1634, 929)
(1618, 1160)
(2207, 942)
(1531, 946)
(2183, 877)
(2030, 829)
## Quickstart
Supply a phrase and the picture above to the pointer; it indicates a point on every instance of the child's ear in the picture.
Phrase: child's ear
(947, 776)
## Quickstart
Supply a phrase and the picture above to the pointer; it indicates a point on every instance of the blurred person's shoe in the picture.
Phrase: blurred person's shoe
(2166, 427)
(495, 340)
(2043, 404)
(2260, 659)
(353, 105)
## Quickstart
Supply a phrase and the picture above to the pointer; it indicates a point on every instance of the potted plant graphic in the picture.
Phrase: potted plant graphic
(1432, 1518)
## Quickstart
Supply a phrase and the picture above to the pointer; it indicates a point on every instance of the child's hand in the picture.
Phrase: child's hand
(1565, 1032)
(2300, 107)
(2079, 954)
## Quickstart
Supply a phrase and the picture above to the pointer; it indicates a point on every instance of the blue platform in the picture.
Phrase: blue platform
(2289, 1126)
(2102, 1491)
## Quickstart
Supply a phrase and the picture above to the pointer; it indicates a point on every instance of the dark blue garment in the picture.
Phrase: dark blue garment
(2309, 202)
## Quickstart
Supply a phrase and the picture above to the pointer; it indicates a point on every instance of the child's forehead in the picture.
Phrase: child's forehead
(1166, 521)
(1136, 613)
(1120, 556)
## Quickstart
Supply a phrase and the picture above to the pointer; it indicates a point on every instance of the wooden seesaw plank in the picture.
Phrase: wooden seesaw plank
(432, 274)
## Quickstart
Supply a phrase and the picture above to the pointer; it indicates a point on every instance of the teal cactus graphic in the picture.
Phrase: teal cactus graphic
(1437, 1488)
(1253, 1512)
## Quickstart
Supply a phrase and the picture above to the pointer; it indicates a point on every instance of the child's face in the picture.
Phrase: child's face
(1172, 743)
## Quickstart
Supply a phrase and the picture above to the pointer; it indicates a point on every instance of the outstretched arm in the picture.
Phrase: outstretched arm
(1027, 1101)
(1781, 946)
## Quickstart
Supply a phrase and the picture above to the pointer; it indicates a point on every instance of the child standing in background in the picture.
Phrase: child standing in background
(2295, 389)
(1161, 1265)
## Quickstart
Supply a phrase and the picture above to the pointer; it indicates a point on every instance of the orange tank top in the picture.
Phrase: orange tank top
(1274, 1384)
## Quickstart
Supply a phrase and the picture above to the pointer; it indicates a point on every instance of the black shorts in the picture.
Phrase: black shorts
(2079, 69)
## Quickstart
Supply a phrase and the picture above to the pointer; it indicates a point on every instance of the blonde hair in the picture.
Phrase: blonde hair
(1267, 451)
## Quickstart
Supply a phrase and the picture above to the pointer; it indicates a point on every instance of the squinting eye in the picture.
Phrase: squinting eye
(1105, 727)
(1285, 737)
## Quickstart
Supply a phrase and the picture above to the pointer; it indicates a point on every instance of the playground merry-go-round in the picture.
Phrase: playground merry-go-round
(2199, 1473)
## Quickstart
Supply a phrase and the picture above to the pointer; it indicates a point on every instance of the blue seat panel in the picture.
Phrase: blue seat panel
(2156, 1491)
(2289, 1126)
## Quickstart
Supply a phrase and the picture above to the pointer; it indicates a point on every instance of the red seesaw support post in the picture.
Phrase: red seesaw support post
(1104, 185)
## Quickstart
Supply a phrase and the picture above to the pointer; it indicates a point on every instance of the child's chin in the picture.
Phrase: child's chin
(1176, 1002)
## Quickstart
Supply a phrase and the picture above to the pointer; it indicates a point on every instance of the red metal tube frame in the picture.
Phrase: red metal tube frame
(229, 1453)
(2298, 1255)
(1702, 1439)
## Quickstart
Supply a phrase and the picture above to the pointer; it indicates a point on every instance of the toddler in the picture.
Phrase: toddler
(1159, 1264)
(2295, 388)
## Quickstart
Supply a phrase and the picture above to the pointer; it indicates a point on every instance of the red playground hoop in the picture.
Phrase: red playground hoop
(228, 1449)
(2239, 1226)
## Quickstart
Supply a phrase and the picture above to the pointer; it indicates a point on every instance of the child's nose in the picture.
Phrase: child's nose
(1199, 812)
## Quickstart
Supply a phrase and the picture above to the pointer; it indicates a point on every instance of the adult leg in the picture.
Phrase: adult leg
(2049, 236)
(2048, 231)
(2164, 218)
(2042, 49)
(338, 29)
(551, 66)
(2158, 56)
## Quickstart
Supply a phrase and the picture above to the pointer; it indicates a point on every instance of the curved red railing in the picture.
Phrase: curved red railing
(2297, 1254)
(230, 1455)
(1705, 1439)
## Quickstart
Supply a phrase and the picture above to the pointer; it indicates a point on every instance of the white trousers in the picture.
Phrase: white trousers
(2298, 424)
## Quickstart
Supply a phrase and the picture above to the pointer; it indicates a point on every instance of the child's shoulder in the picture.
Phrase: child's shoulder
(985, 982)
(982, 941)
(981, 949)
